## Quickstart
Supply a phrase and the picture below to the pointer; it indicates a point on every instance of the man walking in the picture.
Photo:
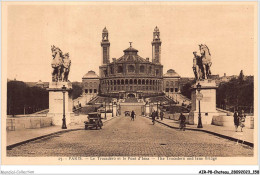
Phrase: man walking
(182, 122)
(161, 115)
(236, 120)
(133, 115)
(153, 117)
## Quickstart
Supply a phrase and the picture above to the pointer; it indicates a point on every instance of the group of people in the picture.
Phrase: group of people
(239, 120)
(155, 115)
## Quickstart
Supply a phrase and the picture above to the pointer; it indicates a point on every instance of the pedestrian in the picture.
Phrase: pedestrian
(161, 115)
(236, 120)
(182, 119)
(242, 119)
(153, 117)
(133, 115)
(157, 114)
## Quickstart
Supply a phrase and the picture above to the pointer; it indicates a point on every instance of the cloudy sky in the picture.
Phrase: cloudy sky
(227, 29)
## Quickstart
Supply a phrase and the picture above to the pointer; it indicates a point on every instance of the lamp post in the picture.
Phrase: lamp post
(199, 97)
(157, 105)
(64, 118)
(106, 110)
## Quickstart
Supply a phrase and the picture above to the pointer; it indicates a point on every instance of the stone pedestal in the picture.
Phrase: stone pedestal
(207, 104)
(147, 109)
(114, 110)
(56, 102)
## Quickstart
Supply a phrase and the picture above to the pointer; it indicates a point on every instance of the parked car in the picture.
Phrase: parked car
(94, 121)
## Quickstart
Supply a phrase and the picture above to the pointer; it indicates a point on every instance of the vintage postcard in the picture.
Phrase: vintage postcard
(129, 83)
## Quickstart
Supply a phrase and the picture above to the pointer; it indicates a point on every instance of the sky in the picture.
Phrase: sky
(228, 31)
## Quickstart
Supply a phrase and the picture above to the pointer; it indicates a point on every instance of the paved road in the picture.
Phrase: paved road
(123, 137)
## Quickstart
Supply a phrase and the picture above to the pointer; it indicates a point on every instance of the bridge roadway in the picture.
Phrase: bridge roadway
(123, 137)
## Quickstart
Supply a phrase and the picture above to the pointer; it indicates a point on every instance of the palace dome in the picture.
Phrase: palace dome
(171, 73)
(40, 82)
(130, 55)
(91, 74)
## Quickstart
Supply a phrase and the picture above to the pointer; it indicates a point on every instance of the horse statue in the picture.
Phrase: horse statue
(66, 67)
(206, 60)
(56, 64)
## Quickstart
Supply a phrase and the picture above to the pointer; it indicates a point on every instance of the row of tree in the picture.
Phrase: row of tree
(236, 94)
(22, 99)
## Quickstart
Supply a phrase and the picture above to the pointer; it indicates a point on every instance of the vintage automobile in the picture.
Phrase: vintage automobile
(94, 121)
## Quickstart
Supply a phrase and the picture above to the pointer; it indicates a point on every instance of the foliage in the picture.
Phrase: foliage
(77, 90)
(24, 99)
(186, 89)
(237, 93)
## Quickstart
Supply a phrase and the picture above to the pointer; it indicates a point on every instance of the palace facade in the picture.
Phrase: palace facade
(131, 75)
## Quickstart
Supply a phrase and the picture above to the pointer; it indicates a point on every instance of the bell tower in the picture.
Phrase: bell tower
(156, 44)
(105, 44)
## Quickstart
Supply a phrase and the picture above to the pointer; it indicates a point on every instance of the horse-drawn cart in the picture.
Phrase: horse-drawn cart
(94, 121)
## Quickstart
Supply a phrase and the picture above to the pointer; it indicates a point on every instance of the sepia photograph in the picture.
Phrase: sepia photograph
(139, 83)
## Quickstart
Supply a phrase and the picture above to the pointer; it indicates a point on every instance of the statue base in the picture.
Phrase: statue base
(207, 103)
(60, 97)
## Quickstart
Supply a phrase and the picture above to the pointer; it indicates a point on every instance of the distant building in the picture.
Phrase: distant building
(171, 82)
(40, 84)
(90, 83)
(131, 75)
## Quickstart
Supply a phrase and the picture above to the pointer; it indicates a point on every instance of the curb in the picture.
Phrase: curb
(9, 147)
(213, 133)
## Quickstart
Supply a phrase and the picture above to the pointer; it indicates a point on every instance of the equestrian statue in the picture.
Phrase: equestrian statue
(60, 65)
(202, 63)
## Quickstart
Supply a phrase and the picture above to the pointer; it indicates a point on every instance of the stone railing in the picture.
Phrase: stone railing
(22, 123)
(224, 120)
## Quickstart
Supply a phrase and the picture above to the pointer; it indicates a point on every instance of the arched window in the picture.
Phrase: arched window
(122, 82)
(131, 68)
(118, 82)
(142, 69)
(111, 70)
(105, 73)
(157, 72)
(139, 81)
(150, 70)
(131, 81)
(135, 81)
(111, 82)
(119, 69)
(147, 81)
(114, 82)
(151, 82)
(126, 81)
(143, 81)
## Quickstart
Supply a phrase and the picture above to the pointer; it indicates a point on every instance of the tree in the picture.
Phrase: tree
(237, 93)
(186, 89)
(77, 90)
(24, 99)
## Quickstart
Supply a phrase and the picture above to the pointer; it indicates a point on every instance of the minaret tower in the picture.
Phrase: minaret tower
(156, 44)
(105, 44)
